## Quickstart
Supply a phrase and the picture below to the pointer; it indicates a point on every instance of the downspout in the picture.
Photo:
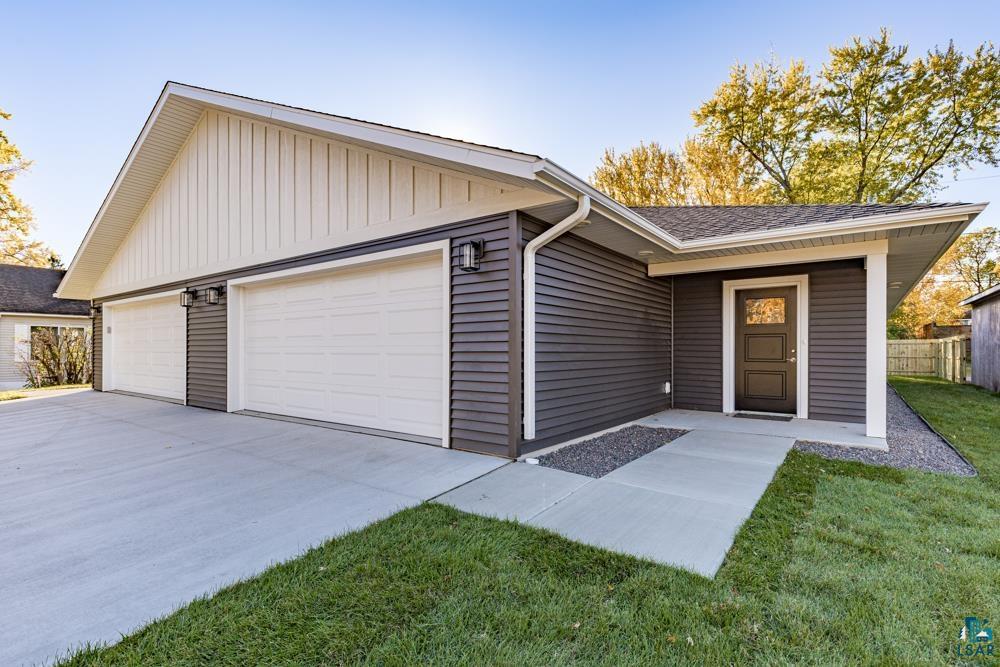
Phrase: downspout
(560, 228)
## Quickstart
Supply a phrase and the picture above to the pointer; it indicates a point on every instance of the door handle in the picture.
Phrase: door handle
(791, 360)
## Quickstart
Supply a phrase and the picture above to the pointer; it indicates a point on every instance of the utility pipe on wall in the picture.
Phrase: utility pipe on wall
(578, 216)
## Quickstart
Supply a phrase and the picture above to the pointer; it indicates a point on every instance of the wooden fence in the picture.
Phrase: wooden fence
(947, 358)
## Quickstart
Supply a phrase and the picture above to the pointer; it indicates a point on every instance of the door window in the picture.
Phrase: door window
(769, 310)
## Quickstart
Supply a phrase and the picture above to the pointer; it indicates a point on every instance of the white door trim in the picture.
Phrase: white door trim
(107, 332)
(235, 400)
(729, 288)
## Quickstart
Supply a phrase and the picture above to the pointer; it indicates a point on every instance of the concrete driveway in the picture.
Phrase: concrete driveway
(116, 510)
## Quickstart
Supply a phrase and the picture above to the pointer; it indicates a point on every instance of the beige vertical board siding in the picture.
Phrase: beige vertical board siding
(8, 365)
(241, 192)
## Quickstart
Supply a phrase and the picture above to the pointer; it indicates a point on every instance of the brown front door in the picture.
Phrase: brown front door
(765, 349)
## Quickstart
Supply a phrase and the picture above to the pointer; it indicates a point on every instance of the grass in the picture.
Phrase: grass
(15, 394)
(841, 563)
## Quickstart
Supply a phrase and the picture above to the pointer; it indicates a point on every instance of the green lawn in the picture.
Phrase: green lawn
(841, 563)
(14, 394)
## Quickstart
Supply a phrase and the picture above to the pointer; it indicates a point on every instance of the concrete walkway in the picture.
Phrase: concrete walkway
(116, 510)
(817, 430)
(681, 504)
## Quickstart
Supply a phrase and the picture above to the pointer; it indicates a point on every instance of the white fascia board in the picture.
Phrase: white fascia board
(771, 258)
(872, 223)
(48, 315)
(515, 164)
(571, 186)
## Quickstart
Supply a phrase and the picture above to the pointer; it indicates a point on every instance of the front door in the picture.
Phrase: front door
(765, 349)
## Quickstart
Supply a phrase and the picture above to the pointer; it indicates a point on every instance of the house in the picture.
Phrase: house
(260, 258)
(986, 338)
(934, 330)
(27, 303)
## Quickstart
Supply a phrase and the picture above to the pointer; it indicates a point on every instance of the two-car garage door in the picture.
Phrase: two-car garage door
(361, 346)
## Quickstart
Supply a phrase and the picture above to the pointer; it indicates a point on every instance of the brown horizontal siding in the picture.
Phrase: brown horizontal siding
(207, 351)
(602, 339)
(837, 341)
(836, 337)
(97, 350)
(481, 350)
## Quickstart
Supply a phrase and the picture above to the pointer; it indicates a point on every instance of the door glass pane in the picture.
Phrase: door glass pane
(770, 310)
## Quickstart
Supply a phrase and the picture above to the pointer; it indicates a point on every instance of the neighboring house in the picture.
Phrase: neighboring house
(986, 338)
(26, 303)
(471, 296)
(933, 330)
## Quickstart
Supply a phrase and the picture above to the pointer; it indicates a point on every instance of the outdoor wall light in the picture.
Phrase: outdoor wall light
(470, 253)
(212, 295)
(95, 310)
(187, 297)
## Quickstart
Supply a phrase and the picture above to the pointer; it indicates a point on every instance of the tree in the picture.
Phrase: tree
(974, 260)
(57, 356)
(873, 127)
(701, 173)
(16, 223)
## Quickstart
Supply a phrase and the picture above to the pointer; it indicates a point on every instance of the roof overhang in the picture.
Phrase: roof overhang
(985, 295)
(174, 116)
(180, 106)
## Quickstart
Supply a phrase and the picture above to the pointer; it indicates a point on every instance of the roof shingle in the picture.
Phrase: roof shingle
(690, 223)
(28, 289)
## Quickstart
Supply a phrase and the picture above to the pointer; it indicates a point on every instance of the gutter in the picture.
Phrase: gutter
(530, 250)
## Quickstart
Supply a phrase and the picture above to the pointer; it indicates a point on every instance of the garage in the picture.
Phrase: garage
(146, 350)
(361, 343)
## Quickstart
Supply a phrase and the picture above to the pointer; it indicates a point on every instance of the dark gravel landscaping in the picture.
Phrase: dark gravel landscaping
(911, 445)
(599, 456)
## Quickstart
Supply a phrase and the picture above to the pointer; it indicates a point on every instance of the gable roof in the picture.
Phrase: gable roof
(696, 223)
(28, 289)
(985, 295)
(672, 231)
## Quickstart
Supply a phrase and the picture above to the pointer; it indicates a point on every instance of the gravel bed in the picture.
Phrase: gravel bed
(911, 445)
(599, 456)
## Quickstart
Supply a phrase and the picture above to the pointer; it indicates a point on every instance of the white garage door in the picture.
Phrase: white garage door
(360, 346)
(148, 343)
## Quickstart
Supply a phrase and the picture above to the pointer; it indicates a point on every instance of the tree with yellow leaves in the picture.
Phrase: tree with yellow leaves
(16, 222)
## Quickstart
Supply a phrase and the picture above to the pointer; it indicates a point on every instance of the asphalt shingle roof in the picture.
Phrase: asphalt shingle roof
(26, 289)
(690, 223)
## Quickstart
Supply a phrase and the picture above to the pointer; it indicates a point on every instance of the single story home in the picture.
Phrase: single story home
(261, 258)
(27, 304)
(986, 338)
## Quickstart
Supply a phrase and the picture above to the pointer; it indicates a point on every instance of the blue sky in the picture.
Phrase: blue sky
(560, 80)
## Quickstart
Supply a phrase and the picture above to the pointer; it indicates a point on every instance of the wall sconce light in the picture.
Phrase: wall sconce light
(187, 297)
(212, 295)
(470, 253)
(95, 310)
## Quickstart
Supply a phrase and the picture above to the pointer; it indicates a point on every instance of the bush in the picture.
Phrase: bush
(58, 358)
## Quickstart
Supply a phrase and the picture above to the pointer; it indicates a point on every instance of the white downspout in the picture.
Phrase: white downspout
(578, 216)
